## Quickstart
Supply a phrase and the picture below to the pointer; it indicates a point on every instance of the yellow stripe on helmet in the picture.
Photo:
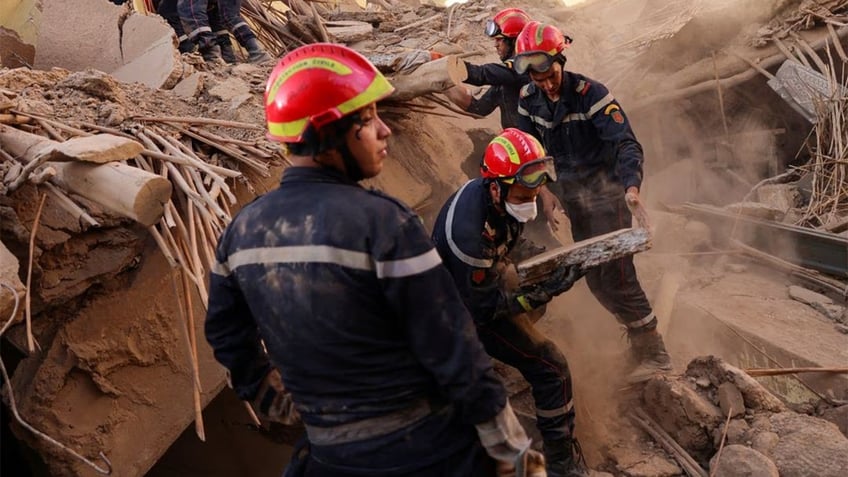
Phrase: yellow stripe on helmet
(511, 151)
(377, 90)
(289, 129)
(317, 62)
(540, 33)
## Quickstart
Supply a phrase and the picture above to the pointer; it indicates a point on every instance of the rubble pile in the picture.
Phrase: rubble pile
(733, 426)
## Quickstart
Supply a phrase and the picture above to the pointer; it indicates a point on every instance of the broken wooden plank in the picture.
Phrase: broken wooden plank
(349, 31)
(431, 77)
(586, 253)
(123, 189)
(99, 148)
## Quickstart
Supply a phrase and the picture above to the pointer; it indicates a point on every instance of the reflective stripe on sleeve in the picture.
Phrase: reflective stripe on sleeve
(408, 266)
(295, 254)
(473, 261)
(601, 104)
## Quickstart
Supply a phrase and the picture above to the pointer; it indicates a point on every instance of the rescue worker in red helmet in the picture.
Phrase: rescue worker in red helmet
(344, 289)
(475, 232)
(599, 165)
(504, 83)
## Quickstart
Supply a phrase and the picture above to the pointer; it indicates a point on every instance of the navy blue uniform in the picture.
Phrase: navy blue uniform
(505, 87)
(474, 239)
(344, 287)
(597, 157)
(196, 19)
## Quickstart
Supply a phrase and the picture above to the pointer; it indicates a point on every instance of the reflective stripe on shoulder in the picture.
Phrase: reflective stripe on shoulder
(408, 266)
(523, 111)
(295, 254)
(575, 117)
(473, 261)
(601, 104)
(332, 255)
(541, 121)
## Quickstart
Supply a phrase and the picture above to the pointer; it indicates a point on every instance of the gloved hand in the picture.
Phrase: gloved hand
(273, 402)
(562, 280)
(503, 437)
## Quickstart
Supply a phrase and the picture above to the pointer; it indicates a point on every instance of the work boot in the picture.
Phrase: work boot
(564, 458)
(255, 52)
(227, 51)
(648, 351)
(211, 53)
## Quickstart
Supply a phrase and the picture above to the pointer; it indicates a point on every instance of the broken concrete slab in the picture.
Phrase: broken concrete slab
(190, 87)
(230, 89)
(808, 446)
(348, 31)
(100, 35)
(9, 269)
(818, 302)
(151, 50)
(741, 461)
(18, 32)
(838, 416)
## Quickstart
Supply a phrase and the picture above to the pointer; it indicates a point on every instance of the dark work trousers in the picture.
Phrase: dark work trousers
(471, 462)
(194, 16)
(168, 10)
(614, 284)
(517, 343)
(230, 11)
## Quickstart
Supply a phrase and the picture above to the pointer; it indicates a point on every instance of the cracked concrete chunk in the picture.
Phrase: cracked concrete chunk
(9, 276)
(730, 400)
(838, 416)
(741, 461)
(779, 196)
(189, 87)
(230, 89)
(808, 446)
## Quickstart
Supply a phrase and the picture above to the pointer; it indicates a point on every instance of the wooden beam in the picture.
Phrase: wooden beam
(586, 253)
(431, 77)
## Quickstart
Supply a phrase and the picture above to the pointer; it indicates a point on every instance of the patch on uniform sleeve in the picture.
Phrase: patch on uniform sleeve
(525, 91)
(583, 87)
(478, 276)
(614, 112)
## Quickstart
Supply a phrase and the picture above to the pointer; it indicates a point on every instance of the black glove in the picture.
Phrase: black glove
(273, 402)
(561, 280)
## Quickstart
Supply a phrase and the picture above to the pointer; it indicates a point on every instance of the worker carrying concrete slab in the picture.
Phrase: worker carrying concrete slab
(196, 25)
(350, 298)
(599, 173)
(475, 232)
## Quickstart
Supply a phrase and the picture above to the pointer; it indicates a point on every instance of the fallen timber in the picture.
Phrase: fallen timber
(586, 253)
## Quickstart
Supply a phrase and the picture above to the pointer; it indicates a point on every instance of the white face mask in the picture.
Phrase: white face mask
(524, 212)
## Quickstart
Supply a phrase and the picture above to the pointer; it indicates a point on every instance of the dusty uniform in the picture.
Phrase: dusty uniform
(597, 158)
(346, 290)
(196, 21)
(505, 87)
(474, 241)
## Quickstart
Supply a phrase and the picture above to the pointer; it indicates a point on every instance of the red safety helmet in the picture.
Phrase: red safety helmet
(507, 23)
(538, 46)
(317, 84)
(515, 156)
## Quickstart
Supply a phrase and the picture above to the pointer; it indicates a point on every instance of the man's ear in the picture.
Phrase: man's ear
(495, 191)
